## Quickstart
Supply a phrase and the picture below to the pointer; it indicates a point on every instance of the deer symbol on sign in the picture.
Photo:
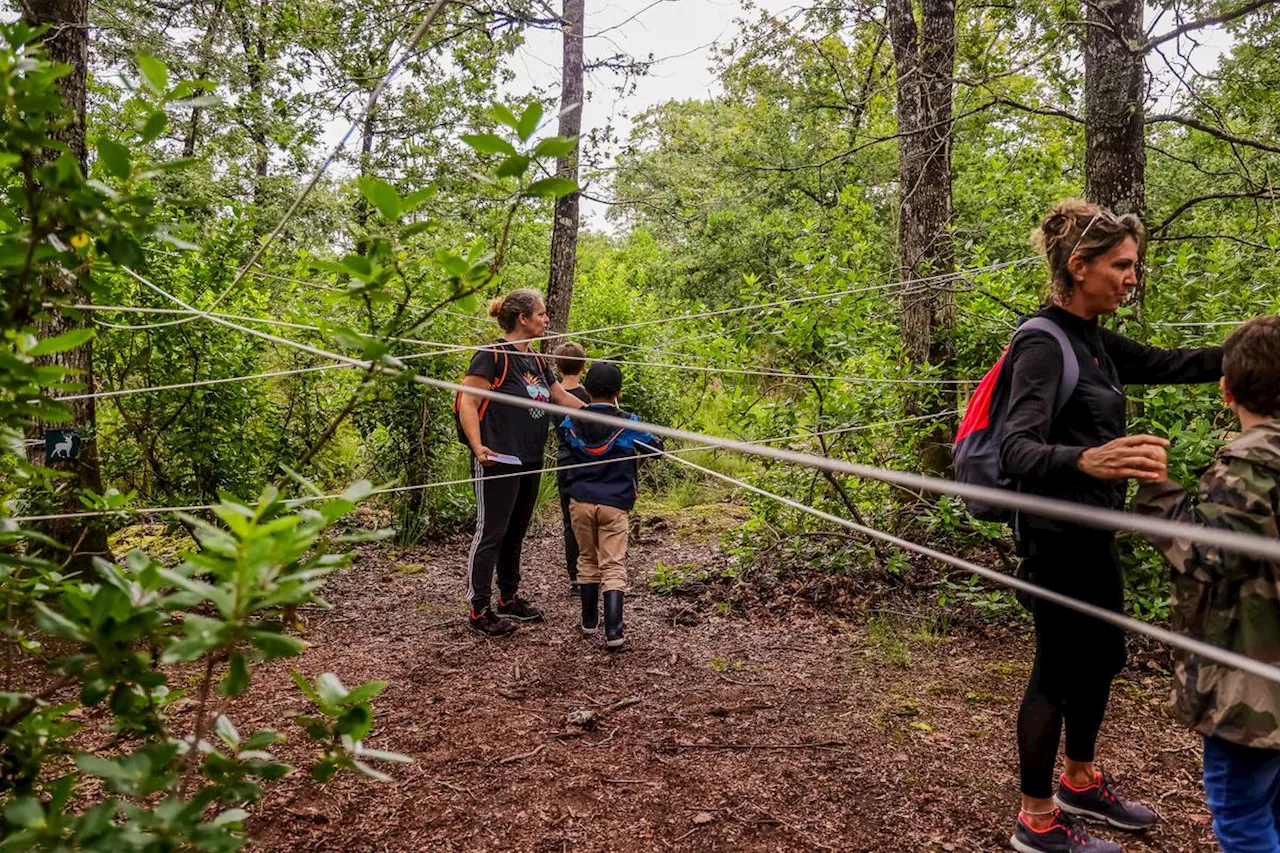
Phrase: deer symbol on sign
(63, 448)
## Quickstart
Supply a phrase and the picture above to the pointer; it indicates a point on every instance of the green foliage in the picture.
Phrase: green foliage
(111, 640)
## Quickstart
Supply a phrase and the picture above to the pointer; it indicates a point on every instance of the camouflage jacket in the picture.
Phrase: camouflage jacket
(1226, 599)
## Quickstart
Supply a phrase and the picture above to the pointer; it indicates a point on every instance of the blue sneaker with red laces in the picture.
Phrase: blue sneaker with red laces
(1064, 834)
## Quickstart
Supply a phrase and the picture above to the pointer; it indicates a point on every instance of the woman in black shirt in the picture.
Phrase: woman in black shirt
(1077, 450)
(507, 440)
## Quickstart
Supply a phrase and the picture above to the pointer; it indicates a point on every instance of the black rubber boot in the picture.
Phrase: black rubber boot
(613, 619)
(590, 593)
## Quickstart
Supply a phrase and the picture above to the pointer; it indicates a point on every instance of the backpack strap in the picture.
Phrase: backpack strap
(1070, 361)
(498, 379)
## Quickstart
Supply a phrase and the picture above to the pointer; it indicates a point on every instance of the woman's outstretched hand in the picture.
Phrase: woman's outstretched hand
(1139, 457)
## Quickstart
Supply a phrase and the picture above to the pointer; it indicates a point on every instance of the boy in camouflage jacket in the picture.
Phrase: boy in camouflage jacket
(1232, 600)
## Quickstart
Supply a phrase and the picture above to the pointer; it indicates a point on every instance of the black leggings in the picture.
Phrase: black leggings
(1077, 657)
(570, 540)
(504, 507)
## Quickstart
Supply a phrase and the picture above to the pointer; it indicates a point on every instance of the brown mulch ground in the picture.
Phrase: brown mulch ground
(717, 731)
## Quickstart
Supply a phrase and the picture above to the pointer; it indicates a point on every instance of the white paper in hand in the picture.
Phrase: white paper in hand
(505, 459)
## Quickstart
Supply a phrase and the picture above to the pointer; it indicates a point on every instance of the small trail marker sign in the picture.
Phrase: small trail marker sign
(61, 445)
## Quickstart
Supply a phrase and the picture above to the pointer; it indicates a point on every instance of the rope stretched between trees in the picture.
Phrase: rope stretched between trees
(1188, 644)
(447, 349)
(1106, 519)
(391, 490)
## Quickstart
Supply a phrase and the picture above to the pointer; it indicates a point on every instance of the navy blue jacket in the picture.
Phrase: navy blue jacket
(612, 483)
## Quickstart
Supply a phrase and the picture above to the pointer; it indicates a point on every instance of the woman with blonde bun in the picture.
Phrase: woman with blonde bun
(1076, 449)
(507, 440)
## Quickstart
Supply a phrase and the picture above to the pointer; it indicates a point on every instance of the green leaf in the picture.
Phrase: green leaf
(502, 114)
(25, 812)
(58, 625)
(236, 681)
(529, 121)
(231, 817)
(273, 645)
(226, 730)
(551, 188)
(61, 343)
(489, 143)
(115, 158)
(330, 688)
(154, 125)
(417, 198)
(381, 195)
(154, 73)
(514, 166)
(555, 146)
(366, 691)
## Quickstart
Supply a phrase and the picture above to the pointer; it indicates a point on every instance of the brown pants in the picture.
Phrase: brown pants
(601, 532)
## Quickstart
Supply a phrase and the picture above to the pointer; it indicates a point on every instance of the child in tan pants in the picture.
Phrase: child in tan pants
(601, 498)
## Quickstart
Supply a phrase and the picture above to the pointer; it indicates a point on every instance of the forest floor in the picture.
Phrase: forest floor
(723, 727)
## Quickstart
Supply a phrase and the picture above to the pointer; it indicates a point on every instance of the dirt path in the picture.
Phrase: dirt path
(731, 732)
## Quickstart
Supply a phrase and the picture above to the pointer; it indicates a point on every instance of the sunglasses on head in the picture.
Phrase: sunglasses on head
(1102, 213)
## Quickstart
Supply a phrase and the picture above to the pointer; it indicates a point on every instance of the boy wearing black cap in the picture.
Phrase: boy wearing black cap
(601, 496)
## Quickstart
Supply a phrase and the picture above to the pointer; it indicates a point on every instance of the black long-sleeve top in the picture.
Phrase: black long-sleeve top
(1040, 450)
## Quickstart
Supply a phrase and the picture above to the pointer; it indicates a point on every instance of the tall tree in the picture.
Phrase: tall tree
(564, 232)
(924, 56)
(1115, 88)
(67, 41)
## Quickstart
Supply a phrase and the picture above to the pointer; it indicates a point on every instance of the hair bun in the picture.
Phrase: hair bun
(495, 306)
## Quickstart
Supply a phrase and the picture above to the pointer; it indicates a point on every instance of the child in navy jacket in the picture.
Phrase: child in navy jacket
(601, 496)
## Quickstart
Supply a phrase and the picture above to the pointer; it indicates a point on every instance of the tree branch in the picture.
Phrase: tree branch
(1212, 130)
(1201, 23)
(1190, 203)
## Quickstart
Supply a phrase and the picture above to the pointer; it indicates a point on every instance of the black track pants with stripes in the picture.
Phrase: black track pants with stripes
(504, 506)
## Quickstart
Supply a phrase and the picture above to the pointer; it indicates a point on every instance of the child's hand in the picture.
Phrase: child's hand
(1140, 457)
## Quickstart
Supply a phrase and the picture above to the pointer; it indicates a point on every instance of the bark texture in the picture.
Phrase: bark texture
(68, 42)
(924, 57)
(564, 232)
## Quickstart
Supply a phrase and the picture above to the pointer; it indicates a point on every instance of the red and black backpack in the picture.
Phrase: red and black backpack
(976, 453)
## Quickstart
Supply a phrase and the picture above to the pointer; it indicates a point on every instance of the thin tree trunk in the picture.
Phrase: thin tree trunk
(1114, 92)
(254, 43)
(202, 70)
(363, 209)
(564, 232)
(68, 42)
(924, 57)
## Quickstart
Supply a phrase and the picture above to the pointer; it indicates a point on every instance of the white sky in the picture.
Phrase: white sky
(681, 34)
(678, 33)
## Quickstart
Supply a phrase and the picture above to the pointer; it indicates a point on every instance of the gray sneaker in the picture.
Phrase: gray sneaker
(1064, 835)
(1102, 803)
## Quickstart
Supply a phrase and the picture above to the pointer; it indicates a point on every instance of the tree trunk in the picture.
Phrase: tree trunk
(1114, 91)
(68, 42)
(363, 208)
(189, 142)
(564, 231)
(924, 57)
(254, 42)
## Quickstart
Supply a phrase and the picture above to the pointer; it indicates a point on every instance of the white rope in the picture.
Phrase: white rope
(446, 349)
(1189, 644)
(1252, 545)
(161, 510)
(917, 283)
(414, 39)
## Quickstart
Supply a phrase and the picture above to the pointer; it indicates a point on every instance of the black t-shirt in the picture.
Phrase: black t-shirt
(509, 429)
